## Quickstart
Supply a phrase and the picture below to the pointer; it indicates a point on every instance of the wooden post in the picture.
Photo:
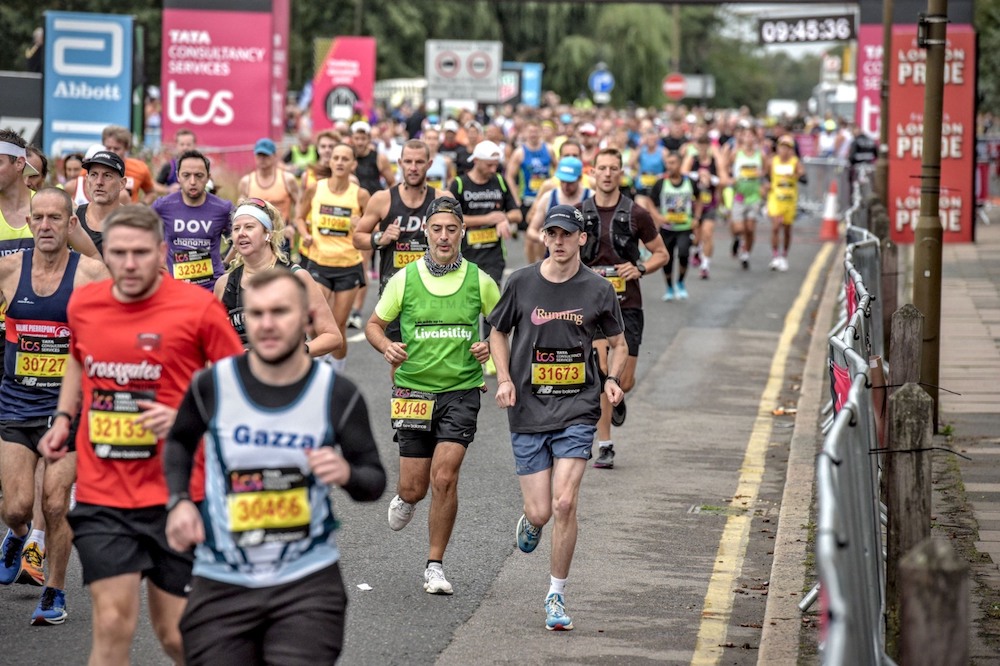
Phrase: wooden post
(935, 606)
(908, 490)
(889, 253)
(904, 345)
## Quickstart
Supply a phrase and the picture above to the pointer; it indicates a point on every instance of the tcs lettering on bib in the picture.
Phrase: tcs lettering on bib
(558, 371)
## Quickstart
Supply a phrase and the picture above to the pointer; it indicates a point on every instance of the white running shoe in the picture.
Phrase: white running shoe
(775, 262)
(400, 513)
(745, 259)
(782, 264)
(435, 582)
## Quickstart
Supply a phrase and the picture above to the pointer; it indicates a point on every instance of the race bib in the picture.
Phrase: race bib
(268, 505)
(705, 197)
(334, 220)
(749, 172)
(40, 361)
(114, 431)
(411, 410)
(401, 259)
(558, 371)
(535, 183)
(610, 273)
(647, 179)
(192, 266)
(482, 236)
(676, 217)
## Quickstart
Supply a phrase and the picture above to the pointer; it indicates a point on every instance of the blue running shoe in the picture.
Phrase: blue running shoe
(10, 557)
(682, 292)
(528, 535)
(668, 295)
(51, 608)
(555, 614)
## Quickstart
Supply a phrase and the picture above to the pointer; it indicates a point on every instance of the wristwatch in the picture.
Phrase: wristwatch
(52, 419)
(174, 500)
(610, 377)
(641, 266)
(376, 237)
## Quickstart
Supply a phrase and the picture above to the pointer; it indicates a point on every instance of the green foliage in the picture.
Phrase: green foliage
(988, 27)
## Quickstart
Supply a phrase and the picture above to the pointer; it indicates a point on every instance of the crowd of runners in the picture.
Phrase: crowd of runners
(174, 401)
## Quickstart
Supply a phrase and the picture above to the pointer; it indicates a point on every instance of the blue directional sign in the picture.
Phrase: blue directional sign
(601, 82)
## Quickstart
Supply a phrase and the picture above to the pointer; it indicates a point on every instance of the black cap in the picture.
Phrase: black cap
(108, 159)
(446, 205)
(565, 217)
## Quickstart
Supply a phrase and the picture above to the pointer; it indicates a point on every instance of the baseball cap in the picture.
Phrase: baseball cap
(264, 147)
(446, 205)
(565, 217)
(588, 128)
(786, 140)
(569, 170)
(830, 125)
(451, 125)
(106, 158)
(361, 126)
(486, 150)
(16, 151)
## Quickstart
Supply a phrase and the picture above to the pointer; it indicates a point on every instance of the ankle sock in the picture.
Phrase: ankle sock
(556, 585)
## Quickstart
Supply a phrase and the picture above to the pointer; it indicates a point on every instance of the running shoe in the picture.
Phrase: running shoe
(682, 292)
(704, 272)
(745, 260)
(435, 582)
(775, 262)
(782, 264)
(696, 257)
(51, 608)
(354, 321)
(32, 567)
(618, 413)
(605, 457)
(555, 613)
(668, 295)
(736, 246)
(528, 535)
(10, 557)
(400, 513)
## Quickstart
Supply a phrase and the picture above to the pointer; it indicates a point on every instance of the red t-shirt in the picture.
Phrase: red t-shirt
(132, 351)
(138, 178)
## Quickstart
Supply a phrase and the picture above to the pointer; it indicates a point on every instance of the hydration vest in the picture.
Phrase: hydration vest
(623, 238)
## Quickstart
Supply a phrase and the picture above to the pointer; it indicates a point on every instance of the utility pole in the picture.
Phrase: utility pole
(932, 32)
(882, 163)
(675, 38)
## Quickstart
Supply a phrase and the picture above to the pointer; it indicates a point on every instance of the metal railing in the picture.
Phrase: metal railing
(849, 555)
(820, 172)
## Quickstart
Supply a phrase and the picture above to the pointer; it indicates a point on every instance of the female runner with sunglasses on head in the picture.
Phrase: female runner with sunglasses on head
(257, 238)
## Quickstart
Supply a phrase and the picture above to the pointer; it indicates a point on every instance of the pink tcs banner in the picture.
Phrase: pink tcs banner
(217, 73)
(869, 104)
(907, 81)
(345, 82)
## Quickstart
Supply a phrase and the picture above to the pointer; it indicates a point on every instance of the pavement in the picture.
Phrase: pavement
(966, 504)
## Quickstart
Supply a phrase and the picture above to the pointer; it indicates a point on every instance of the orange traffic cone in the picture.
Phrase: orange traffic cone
(828, 230)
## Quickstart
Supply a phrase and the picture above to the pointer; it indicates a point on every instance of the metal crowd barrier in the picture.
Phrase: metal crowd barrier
(850, 558)
(820, 173)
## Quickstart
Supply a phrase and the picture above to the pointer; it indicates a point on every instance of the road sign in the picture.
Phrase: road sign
(460, 69)
(674, 86)
(601, 82)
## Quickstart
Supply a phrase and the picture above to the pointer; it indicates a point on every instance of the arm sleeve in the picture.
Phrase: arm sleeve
(349, 413)
(189, 426)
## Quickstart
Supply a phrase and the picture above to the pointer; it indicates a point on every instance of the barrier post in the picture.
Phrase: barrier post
(908, 474)
(905, 341)
(935, 606)
(889, 274)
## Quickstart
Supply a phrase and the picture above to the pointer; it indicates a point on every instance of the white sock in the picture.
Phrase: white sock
(705, 261)
(605, 444)
(36, 536)
(556, 585)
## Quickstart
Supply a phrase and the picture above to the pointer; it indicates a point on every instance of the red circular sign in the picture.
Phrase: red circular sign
(478, 64)
(674, 86)
(447, 64)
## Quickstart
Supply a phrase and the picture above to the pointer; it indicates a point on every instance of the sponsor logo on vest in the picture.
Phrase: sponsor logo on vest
(192, 226)
(540, 316)
(122, 373)
(244, 434)
(449, 333)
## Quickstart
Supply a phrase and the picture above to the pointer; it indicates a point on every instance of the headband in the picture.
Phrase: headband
(254, 212)
(12, 149)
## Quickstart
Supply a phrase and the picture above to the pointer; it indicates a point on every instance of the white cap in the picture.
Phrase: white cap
(361, 126)
(486, 150)
(588, 128)
(451, 125)
(93, 150)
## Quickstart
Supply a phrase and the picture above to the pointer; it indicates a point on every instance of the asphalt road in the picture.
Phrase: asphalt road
(650, 528)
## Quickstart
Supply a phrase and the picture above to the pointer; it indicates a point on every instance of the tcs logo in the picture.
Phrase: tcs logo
(97, 48)
(199, 107)
(544, 357)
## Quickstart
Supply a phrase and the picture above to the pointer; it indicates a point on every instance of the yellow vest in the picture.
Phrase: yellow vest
(332, 228)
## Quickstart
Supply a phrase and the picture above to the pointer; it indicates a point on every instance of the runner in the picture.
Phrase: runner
(195, 223)
(437, 377)
(647, 160)
(534, 249)
(675, 206)
(138, 179)
(257, 227)
(530, 164)
(453, 148)
(106, 184)
(40, 164)
(441, 172)
(399, 214)
(614, 227)
(783, 200)
(550, 385)
(748, 181)
(184, 140)
(302, 154)
(136, 340)
(569, 175)
(330, 210)
(37, 283)
(372, 167)
(708, 166)
(15, 197)
(267, 587)
(273, 184)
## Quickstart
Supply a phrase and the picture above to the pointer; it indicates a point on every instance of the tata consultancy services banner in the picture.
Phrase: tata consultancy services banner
(88, 78)
(216, 77)
(907, 78)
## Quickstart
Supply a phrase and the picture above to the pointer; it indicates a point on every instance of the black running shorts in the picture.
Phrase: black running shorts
(454, 420)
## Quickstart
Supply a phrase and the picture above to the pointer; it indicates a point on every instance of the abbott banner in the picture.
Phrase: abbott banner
(907, 79)
(88, 78)
(218, 71)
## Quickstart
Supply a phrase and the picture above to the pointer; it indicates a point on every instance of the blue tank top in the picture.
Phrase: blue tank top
(36, 346)
(650, 166)
(535, 168)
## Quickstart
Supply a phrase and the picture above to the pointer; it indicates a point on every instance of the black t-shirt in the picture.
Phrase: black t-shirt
(554, 371)
(347, 409)
(645, 230)
(411, 244)
(482, 245)
(673, 143)
(367, 172)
